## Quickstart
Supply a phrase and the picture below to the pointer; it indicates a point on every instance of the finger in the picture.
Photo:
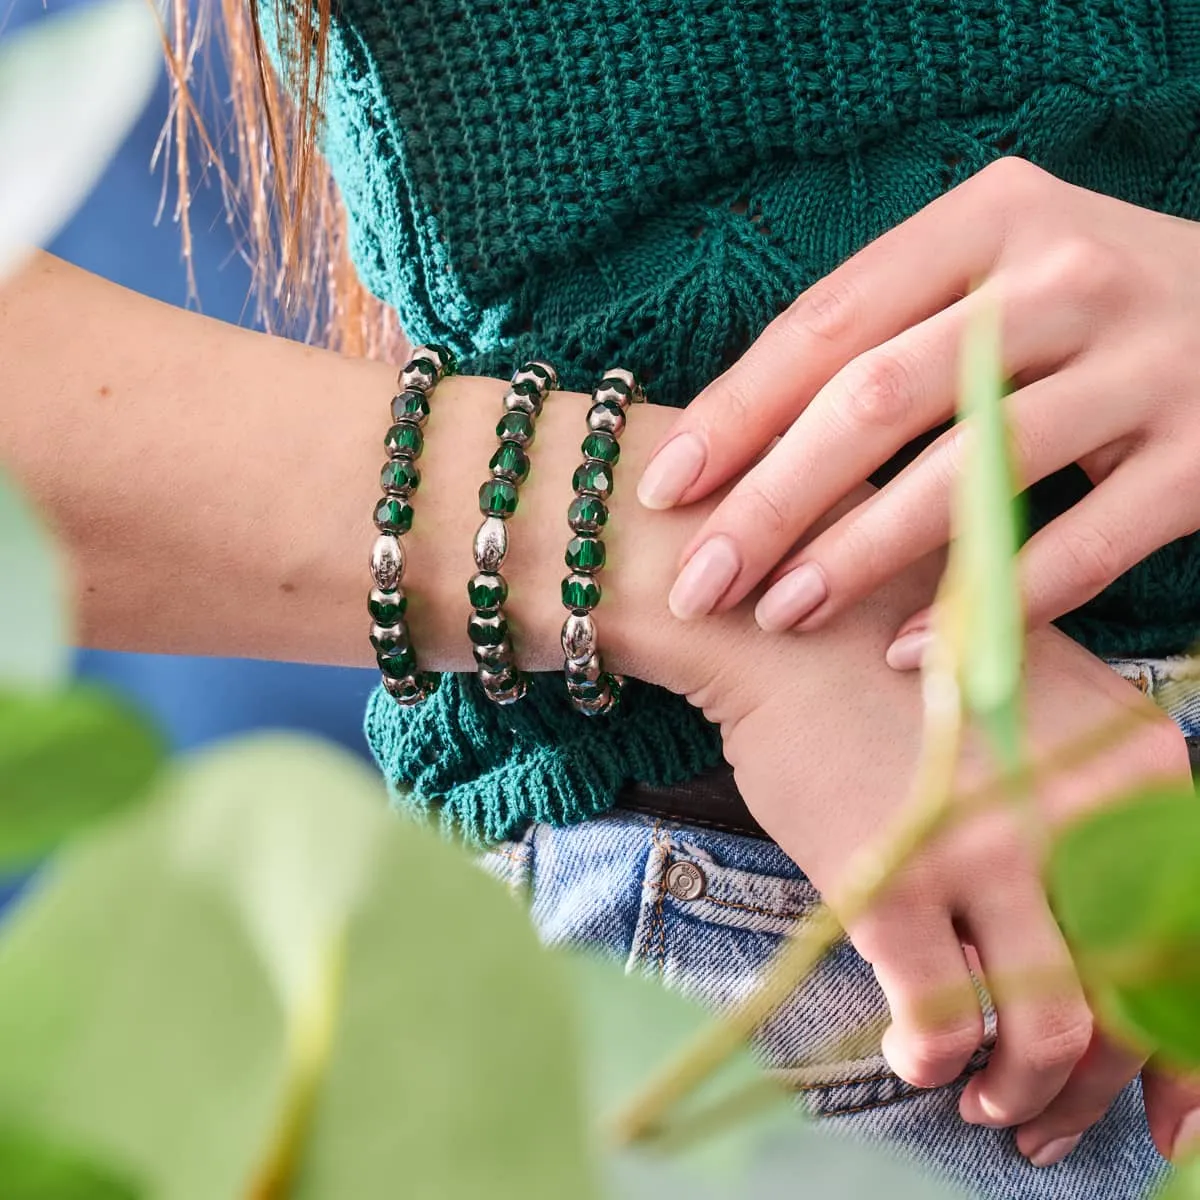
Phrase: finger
(937, 1022)
(911, 515)
(1173, 1111)
(1099, 1077)
(1044, 1025)
(906, 275)
(1113, 527)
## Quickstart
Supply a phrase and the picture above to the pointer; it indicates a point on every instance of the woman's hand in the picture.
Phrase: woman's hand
(823, 749)
(1100, 303)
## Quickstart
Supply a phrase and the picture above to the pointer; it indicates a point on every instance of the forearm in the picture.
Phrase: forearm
(214, 488)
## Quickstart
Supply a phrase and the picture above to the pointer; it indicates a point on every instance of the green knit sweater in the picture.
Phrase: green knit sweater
(649, 182)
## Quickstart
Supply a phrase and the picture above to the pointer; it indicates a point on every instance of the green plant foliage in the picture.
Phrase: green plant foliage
(32, 1168)
(988, 537)
(152, 986)
(33, 610)
(70, 88)
(1124, 883)
(1184, 1184)
(740, 1136)
(66, 759)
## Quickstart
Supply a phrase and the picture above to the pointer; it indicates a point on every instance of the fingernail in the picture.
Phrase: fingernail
(792, 598)
(705, 579)
(906, 652)
(1187, 1140)
(672, 471)
(1055, 1151)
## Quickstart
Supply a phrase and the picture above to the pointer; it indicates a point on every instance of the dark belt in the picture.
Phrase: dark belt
(712, 800)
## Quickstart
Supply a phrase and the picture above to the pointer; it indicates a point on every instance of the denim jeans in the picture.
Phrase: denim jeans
(705, 911)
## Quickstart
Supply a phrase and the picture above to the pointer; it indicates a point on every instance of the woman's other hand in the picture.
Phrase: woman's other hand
(1100, 303)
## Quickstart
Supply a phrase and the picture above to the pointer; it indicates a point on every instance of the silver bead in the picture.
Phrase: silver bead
(387, 562)
(390, 638)
(491, 545)
(598, 706)
(439, 357)
(519, 402)
(493, 657)
(414, 376)
(606, 418)
(408, 691)
(579, 638)
(541, 375)
(620, 387)
(589, 671)
(510, 695)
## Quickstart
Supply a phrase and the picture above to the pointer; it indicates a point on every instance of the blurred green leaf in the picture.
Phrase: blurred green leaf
(1184, 1183)
(33, 610)
(67, 759)
(70, 88)
(987, 540)
(32, 1168)
(455, 1068)
(1125, 883)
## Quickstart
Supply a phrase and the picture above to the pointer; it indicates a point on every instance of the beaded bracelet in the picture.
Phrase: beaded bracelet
(593, 690)
(487, 626)
(399, 479)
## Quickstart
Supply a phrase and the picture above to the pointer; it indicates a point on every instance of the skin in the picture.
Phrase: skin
(172, 452)
(1098, 302)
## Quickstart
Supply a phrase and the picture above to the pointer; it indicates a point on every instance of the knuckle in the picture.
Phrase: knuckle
(1084, 268)
(1063, 1042)
(935, 1056)
(1012, 181)
(1091, 555)
(764, 508)
(1165, 750)
(828, 311)
(877, 391)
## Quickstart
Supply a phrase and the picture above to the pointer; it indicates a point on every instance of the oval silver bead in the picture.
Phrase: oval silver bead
(544, 381)
(387, 562)
(602, 418)
(512, 694)
(602, 704)
(407, 691)
(435, 355)
(416, 378)
(579, 638)
(636, 395)
(491, 545)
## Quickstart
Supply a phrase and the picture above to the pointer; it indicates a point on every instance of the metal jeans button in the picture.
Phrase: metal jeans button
(685, 881)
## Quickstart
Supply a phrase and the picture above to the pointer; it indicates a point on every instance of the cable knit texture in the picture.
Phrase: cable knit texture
(649, 182)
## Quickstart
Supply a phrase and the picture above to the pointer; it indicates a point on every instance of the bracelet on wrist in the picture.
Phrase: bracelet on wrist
(400, 478)
(487, 626)
(593, 690)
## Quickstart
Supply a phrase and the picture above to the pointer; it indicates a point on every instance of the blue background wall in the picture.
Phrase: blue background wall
(115, 235)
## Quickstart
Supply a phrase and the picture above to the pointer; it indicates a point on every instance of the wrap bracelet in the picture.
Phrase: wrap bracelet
(593, 690)
(400, 479)
(487, 626)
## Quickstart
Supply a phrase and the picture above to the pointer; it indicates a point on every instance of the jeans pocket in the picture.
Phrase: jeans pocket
(713, 914)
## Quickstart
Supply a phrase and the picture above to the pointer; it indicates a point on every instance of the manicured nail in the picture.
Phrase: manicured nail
(672, 471)
(1055, 1151)
(906, 652)
(1187, 1140)
(705, 578)
(792, 598)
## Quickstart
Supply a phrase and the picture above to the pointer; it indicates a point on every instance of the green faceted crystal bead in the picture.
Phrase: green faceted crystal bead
(404, 438)
(399, 477)
(587, 514)
(487, 631)
(487, 591)
(516, 427)
(585, 555)
(602, 446)
(580, 593)
(399, 664)
(498, 498)
(410, 406)
(510, 462)
(393, 515)
(387, 608)
(594, 477)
